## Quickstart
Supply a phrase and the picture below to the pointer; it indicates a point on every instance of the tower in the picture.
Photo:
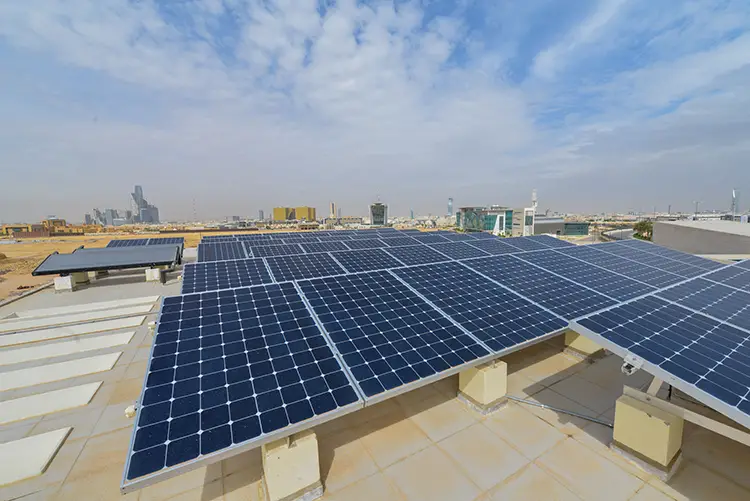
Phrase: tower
(332, 213)
(450, 207)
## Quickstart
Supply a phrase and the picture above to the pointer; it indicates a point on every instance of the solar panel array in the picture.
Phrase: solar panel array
(321, 330)
(136, 242)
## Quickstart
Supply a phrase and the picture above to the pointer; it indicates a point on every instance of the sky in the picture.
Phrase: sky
(224, 107)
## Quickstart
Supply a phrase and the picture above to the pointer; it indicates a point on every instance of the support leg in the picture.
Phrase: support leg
(485, 387)
(291, 468)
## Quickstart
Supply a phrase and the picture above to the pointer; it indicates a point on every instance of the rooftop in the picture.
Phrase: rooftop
(391, 450)
(731, 227)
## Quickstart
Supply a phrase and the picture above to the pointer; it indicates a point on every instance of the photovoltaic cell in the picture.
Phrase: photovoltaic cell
(132, 242)
(457, 237)
(215, 275)
(606, 282)
(632, 269)
(427, 238)
(221, 251)
(400, 241)
(166, 241)
(388, 336)
(718, 301)
(497, 317)
(365, 243)
(365, 260)
(303, 266)
(684, 270)
(525, 243)
(566, 298)
(459, 250)
(277, 250)
(416, 254)
(703, 353)
(494, 246)
(737, 275)
(552, 241)
(231, 368)
(482, 235)
(324, 246)
(683, 257)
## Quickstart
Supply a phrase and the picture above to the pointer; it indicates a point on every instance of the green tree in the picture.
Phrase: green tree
(644, 229)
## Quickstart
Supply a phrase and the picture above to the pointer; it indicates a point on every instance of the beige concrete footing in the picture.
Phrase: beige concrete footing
(80, 277)
(291, 468)
(95, 275)
(155, 275)
(484, 388)
(647, 435)
(582, 347)
(65, 284)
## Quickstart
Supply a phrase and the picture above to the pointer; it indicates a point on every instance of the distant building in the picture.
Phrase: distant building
(704, 237)
(305, 213)
(261, 216)
(510, 222)
(109, 217)
(544, 225)
(378, 214)
(87, 219)
(294, 213)
(332, 212)
(411, 214)
(339, 212)
(235, 219)
(450, 207)
(144, 211)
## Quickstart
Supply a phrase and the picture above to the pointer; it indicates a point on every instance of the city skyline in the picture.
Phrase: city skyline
(602, 105)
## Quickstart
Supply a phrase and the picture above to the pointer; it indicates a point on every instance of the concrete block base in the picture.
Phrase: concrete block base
(582, 348)
(484, 388)
(81, 277)
(155, 275)
(660, 472)
(96, 275)
(648, 434)
(65, 284)
(291, 468)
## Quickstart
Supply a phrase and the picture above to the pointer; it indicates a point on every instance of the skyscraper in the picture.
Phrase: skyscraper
(261, 215)
(339, 212)
(143, 211)
(450, 207)
(378, 214)
(332, 213)
(411, 213)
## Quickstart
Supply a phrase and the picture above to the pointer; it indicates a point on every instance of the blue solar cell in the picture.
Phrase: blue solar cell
(459, 250)
(388, 336)
(166, 241)
(482, 235)
(365, 243)
(209, 276)
(277, 250)
(416, 254)
(497, 317)
(663, 263)
(231, 368)
(400, 241)
(525, 243)
(131, 242)
(365, 260)
(494, 246)
(606, 282)
(430, 238)
(682, 257)
(632, 269)
(718, 301)
(566, 298)
(737, 275)
(221, 251)
(457, 237)
(324, 246)
(552, 241)
(701, 352)
(303, 266)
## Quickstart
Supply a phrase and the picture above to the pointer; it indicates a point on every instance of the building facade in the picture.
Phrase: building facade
(294, 213)
(378, 214)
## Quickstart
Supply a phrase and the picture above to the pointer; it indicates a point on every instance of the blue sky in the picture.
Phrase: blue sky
(601, 105)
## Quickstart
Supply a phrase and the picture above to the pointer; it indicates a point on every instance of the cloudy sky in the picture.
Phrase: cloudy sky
(601, 105)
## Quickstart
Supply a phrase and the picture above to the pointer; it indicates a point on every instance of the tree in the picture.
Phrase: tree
(644, 229)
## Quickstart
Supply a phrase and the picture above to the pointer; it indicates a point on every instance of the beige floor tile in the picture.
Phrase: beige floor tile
(587, 393)
(343, 460)
(552, 368)
(83, 420)
(439, 417)
(587, 474)
(606, 374)
(521, 386)
(102, 454)
(431, 475)
(142, 353)
(531, 483)
(243, 487)
(9, 433)
(566, 423)
(376, 487)
(113, 418)
(126, 391)
(693, 482)
(391, 438)
(598, 438)
(648, 493)
(136, 370)
(523, 430)
(212, 491)
(719, 453)
(484, 457)
(29, 457)
(177, 485)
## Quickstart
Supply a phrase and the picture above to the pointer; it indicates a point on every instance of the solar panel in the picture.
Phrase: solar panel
(457, 237)
(566, 298)
(166, 240)
(427, 238)
(632, 269)
(551, 241)
(388, 336)
(387, 235)
(459, 250)
(277, 250)
(494, 246)
(416, 254)
(215, 275)
(497, 317)
(703, 357)
(718, 301)
(131, 242)
(525, 243)
(231, 370)
(365, 260)
(365, 243)
(400, 241)
(606, 282)
(482, 235)
(303, 266)
(737, 275)
(683, 257)
(221, 251)
(663, 263)
(334, 238)
(324, 246)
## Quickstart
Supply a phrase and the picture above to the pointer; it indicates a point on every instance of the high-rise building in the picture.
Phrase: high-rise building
(332, 213)
(109, 217)
(294, 213)
(378, 214)
(450, 207)
(411, 214)
(87, 219)
(235, 219)
(339, 212)
(306, 213)
(261, 216)
(143, 211)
